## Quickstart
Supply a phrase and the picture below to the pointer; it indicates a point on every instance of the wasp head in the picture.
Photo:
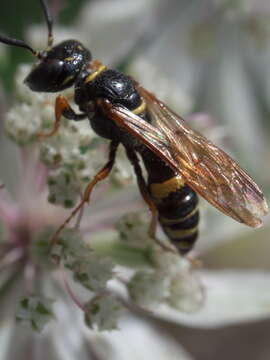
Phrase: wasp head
(58, 67)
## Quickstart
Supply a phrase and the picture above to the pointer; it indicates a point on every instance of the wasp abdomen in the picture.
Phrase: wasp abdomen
(177, 206)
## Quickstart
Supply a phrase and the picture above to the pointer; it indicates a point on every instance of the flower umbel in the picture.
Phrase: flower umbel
(210, 55)
(55, 172)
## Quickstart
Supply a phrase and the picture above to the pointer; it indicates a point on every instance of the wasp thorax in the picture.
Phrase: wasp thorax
(58, 67)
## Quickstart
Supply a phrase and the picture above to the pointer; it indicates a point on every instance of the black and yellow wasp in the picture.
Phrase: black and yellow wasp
(180, 162)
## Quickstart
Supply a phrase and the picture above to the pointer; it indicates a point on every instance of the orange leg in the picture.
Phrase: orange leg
(101, 175)
(61, 107)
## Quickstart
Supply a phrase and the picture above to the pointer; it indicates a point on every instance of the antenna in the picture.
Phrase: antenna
(9, 41)
(49, 20)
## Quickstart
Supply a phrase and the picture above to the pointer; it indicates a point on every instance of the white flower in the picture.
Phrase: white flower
(56, 171)
(35, 311)
(103, 312)
(231, 297)
(149, 288)
(176, 65)
(170, 282)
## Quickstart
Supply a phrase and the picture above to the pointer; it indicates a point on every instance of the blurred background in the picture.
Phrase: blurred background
(209, 61)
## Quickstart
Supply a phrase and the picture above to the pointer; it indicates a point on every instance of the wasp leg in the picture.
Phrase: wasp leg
(101, 175)
(62, 107)
(144, 191)
(147, 198)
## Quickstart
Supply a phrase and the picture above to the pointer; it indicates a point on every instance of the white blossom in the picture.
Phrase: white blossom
(196, 62)
(102, 312)
(35, 312)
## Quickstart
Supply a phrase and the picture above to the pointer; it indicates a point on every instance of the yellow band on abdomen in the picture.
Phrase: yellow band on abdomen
(178, 234)
(165, 221)
(140, 109)
(160, 191)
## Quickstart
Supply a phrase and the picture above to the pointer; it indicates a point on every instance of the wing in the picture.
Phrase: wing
(204, 167)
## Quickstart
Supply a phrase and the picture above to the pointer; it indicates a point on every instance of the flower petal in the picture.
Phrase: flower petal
(231, 297)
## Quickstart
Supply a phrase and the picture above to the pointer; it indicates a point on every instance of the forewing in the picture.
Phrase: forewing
(207, 169)
(136, 126)
(204, 167)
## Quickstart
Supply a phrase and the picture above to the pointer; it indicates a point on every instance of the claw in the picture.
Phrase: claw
(41, 136)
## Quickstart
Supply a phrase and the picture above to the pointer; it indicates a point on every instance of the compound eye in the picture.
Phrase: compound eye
(53, 67)
(46, 76)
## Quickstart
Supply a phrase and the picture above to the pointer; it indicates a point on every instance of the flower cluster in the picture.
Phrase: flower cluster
(88, 253)
(211, 55)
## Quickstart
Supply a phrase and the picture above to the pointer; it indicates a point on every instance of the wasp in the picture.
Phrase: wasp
(180, 163)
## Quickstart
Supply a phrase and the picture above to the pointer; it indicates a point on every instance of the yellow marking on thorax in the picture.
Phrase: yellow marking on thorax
(93, 75)
(176, 234)
(160, 191)
(165, 221)
(70, 58)
(140, 109)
